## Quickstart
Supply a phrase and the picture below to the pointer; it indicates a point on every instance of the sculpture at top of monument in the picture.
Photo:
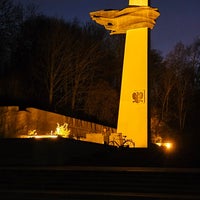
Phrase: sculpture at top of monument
(132, 17)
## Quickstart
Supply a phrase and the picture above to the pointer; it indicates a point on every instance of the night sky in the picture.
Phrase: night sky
(179, 19)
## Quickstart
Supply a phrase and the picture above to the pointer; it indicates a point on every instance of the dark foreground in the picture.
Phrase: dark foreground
(65, 152)
(68, 169)
(119, 183)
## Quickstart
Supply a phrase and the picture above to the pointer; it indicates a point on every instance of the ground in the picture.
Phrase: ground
(48, 152)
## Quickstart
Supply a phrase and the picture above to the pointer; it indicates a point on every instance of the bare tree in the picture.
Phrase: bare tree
(64, 57)
(87, 55)
(50, 53)
(179, 64)
(10, 20)
(156, 70)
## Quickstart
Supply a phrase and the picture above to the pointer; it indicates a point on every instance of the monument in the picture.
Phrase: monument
(134, 21)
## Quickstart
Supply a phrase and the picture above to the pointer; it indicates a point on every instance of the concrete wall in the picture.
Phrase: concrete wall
(94, 137)
(15, 122)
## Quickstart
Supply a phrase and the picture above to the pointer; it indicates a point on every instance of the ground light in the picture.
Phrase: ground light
(167, 145)
(44, 136)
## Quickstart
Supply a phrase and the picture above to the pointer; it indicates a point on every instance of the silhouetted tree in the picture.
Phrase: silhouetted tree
(87, 55)
(179, 64)
(102, 101)
(156, 70)
(192, 121)
(10, 19)
(62, 60)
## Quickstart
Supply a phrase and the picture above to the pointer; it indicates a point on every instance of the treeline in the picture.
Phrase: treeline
(174, 83)
(63, 66)
(75, 69)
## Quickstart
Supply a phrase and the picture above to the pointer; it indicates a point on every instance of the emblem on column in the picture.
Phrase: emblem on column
(138, 96)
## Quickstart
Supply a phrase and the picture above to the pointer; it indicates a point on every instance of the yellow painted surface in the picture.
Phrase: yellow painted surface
(133, 111)
(138, 2)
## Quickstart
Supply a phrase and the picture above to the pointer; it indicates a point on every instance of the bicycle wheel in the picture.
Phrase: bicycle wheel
(113, 143)
(129, 143)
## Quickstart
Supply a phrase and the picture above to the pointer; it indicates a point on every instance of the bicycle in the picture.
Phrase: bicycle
(129, 143)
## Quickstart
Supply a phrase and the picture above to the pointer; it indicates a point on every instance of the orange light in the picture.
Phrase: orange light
(44, 136)
(167, 145)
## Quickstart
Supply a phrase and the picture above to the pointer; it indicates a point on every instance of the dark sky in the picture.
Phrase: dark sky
(179, 19)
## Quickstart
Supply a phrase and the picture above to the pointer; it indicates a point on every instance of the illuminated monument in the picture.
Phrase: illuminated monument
(134, 21)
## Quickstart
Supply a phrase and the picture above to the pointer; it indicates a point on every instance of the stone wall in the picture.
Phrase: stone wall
(15, 122)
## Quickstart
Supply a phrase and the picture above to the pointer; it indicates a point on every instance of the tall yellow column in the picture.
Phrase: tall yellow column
(133, 21)
(133, 110)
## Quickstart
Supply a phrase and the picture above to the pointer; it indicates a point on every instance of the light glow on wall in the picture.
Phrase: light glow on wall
(61, 131)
